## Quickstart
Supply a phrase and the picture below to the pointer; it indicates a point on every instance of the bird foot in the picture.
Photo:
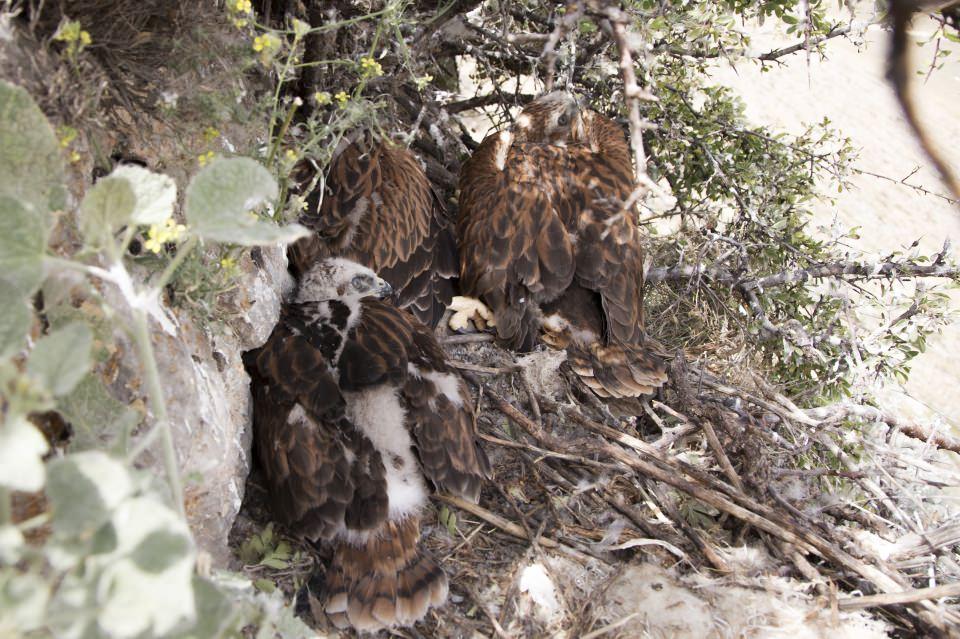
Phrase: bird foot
(469, 309)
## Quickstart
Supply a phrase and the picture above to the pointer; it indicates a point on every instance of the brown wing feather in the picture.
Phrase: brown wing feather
(515, 250)
(517, 225)
(378, 209)
(321, 472)
(391, 345)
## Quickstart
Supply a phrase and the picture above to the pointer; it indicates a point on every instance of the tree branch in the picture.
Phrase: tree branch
(838, 412)
(486, 100)
(848, 271)
(800, 46)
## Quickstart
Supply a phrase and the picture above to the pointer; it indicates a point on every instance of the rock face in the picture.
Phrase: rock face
(208, 397)
(209, 401)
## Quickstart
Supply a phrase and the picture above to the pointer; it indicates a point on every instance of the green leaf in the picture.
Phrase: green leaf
(11, 543)
(61, 359)
(148, 582)
(31, 169)
(276, 564)
(145, 604)
(84, 489)
(15, 319)
(22, 448)
(155, 193)
(160, 550)
(221, 199)
(106, 207)
(96, 416)
(265, 585)
(23, 601)
(23, 238)
(215, 611)
(952, 37)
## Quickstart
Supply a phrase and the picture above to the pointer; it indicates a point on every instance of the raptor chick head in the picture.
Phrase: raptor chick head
(553, 118)
(339, 278)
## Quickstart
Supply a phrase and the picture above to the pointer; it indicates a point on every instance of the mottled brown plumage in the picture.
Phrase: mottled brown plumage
(355, 407)
(545, 240)
(377, 208)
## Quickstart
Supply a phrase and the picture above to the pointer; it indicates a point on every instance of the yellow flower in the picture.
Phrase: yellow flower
(67, 135)
(74, 36)
(210, 134)
(291, 155)
(227, 263)
(153, 244)
(322, 97)
(74, 157)
(158, 235)
(240, 6)
(300, 28)
(423, 81)
(370, 67)
(240, 22)
(266, 43)
(206, 158)
(342, 98)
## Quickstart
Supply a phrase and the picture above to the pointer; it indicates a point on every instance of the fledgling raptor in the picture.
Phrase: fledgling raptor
(377, 208)
(356, 412)
(547, 242)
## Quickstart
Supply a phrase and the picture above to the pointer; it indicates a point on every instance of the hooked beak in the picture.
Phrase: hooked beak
(384, 289)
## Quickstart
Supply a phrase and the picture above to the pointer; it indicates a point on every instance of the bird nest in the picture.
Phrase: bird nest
(716, 508)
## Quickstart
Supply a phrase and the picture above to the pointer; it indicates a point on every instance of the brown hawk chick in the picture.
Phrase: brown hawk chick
(547, 242)
(377, 208)
(355, 411)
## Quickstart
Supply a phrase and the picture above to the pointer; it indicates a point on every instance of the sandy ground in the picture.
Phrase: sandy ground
(849, 88)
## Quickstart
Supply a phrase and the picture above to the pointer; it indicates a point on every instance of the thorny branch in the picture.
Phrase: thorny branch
(619, 20)
(848, 271)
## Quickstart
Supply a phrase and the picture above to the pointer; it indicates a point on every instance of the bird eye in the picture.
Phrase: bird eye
(361, 282)
(563, 120)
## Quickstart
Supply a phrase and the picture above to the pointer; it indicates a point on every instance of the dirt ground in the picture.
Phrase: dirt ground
(849, 88)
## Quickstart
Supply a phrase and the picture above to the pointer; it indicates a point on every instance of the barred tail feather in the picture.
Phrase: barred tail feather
(384, 582)
(616, 371)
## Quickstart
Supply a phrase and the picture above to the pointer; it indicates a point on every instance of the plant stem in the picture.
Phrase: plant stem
(278, 138)
(175, 263)
(5, 512)
(141, 337)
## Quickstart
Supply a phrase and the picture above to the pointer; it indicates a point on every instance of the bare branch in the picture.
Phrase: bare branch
(486, 100)
(848, 271)
(899, 598)
(801, 46)
(838, 412)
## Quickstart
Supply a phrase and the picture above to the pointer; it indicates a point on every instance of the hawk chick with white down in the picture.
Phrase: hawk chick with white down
(355, 411)
(548, 242)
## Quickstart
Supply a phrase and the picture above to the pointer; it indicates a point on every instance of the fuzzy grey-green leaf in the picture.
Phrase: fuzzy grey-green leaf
(61, 359)
(155, 193)
(31, 169)
(159, 550)
(22, 448)
(98, 419)
(106, 207)
(221, 199)
(14, 320)
(23, 238)
(83, 489)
